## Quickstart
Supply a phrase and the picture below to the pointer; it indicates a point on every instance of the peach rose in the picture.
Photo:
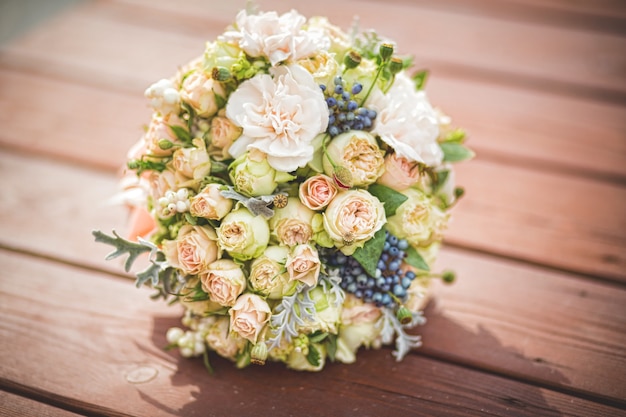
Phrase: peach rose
(268, 276)
(248, 316)
(356, 311)
(160, 134)
(223, 134)
(210, 203)
(193, 162)
(316, 192)
(352, 218)
(224, 281)
(303, 264)
(193, 250)
(199, 91)
(399, 173)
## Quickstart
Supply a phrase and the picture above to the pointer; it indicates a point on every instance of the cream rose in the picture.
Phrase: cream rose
(193, 250)
(399, 173)
(199, 91)
(291, 225)
(327, 313)
(355, 311)
(323, 67)
(220, 339)
(339, 41)
(358, 328)
(248, 316)
(210, 204)
(193, 162)
(243, 235)
(223, 134)
(268, 275)
(280, 115)
(359, 153)
(224, 281)
(352, 218)
(317, 191)
(303, 264)
(407, 122)
(418, 220)
(278, 38)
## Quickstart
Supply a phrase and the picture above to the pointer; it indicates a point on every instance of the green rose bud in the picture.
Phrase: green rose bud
(252, 175)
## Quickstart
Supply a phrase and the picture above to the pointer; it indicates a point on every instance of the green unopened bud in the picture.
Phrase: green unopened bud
(448, 277)
(395, 66)
(458, 192)
(133, 164)
(404, 315)
(220, 74)
(343, 177)
(385, 51)
(352, 59)
(165, 144)
(258, 355)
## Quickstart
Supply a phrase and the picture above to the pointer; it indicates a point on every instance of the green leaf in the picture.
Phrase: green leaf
(331, 347)
(219, 100)
(413, 258)
(457, 135)
(317, 337)
(182, 134)
(392, 199)
(313, 357)
(123, 247)
(420, 79)
(439, 179)
(218, 167)
(369, 254)
(455, 152)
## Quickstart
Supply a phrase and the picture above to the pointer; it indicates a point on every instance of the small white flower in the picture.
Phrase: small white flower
(164, 97)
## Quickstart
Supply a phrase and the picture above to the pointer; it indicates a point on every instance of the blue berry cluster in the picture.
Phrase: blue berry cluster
(344, 111)
(389, 279)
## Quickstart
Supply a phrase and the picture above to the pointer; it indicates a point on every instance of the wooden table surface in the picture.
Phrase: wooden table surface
(535, 324)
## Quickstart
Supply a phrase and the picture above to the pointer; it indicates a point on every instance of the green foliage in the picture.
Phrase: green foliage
(420, 79)
(182, 134)
(455, 152)
(391, 198)
(141, 165)
(331, 347)
(122, 247)
(369, 254)
(439, 178)
(413, 258)
(313, 357)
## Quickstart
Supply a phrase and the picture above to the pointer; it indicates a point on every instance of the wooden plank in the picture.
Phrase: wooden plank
(571, 223)
(12, 405)
(534, 129)
(608, 15)
(550, 58)
(538, 325)
(495, 306)
(97, 331)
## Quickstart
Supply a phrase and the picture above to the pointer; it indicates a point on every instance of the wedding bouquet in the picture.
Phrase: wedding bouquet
(290, 192)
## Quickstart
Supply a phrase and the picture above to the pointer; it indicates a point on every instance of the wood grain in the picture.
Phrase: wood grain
(97, 330)
(12, 405)
(543, 57)
(482, 308)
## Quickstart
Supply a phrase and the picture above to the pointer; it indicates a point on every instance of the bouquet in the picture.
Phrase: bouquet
(290, 192)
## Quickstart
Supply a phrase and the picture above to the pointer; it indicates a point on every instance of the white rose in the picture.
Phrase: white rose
(278, 38)
(280, 115)
(407, 122)
(418, 220)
